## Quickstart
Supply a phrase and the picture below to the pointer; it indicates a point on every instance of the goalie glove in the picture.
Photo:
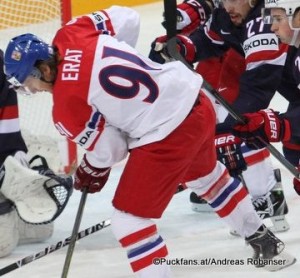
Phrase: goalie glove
(38, 194)
(229, 153)
(91, 177)
(160, 54)
(266, 125)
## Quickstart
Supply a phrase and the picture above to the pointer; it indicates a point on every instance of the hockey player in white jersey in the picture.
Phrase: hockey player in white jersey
(115, 103)
(28, 191)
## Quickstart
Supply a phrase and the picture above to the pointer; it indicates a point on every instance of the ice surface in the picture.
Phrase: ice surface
(189, 235)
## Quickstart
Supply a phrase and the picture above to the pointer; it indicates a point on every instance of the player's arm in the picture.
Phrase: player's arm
(194, 47)
(123, 23)
(105, 145)
(267, 125)
(94, 169)
(191, 14)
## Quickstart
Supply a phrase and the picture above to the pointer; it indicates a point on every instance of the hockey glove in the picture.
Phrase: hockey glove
(91, 177)
(190, 15)
(266, 125)
(229, 153)
(159, 52)
(296, 183)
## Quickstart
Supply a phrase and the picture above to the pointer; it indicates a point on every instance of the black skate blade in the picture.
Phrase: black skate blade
(281, 261)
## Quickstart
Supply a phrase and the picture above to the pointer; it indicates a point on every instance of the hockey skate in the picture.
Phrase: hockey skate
(273, 205)
(268, 251)
(199, 204)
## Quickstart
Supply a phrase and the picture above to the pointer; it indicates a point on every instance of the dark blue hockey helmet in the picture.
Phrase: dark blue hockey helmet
(21, 55)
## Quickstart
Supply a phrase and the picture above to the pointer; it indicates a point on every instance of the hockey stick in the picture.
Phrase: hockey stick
(62, 243)
(54, 247)
(170, 19)
(74, 233)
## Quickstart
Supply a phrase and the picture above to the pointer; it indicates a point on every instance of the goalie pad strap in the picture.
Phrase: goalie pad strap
(6, 206)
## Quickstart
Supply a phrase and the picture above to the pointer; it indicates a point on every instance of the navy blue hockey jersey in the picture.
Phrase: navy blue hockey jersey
(10, 136)
(264, 56)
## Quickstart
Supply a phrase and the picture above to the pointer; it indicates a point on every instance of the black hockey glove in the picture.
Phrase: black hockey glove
(229, 153)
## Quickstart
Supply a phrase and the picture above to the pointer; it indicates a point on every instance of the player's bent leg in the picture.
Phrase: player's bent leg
(9, 236)
(140, 238)
(259, 176)
(30, 233)
(229, 199)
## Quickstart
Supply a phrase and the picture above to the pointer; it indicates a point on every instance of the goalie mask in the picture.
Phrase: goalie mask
(38, 194)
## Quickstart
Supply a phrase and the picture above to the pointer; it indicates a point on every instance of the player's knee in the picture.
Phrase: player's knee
(123, 223)
(218, 175)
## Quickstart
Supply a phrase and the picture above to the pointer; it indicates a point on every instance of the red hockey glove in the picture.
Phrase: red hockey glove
(296, 183)
(159, 52)
(229, 153)
(190, 15)
(265, 124)
(88, 176)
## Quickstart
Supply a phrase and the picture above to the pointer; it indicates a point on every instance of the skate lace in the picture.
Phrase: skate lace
(261, 201)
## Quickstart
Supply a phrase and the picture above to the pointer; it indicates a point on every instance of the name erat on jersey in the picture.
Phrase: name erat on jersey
(115, 96)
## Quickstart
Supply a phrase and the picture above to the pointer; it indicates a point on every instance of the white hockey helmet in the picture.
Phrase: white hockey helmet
(290, 7)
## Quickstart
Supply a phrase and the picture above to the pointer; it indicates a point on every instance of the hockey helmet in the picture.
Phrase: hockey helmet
(21, 55)
(290, 7)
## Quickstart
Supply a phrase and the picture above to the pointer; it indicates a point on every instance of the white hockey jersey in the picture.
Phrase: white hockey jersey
(107, 97)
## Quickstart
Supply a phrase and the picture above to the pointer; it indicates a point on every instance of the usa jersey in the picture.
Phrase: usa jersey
(290, 89)
(296, 67)
(11, 139)
(108, 98)
(264, 55)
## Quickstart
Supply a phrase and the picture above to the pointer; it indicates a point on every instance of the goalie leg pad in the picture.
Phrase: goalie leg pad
(29, 233)
(9, 236)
